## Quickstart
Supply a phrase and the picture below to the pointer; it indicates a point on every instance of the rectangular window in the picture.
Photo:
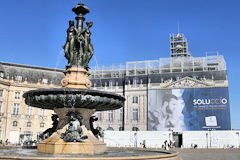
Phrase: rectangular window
(135, 114)
(29, 110)
(29, 124)
(45, 81)
(17, 95)
(42, 112)
(110, 116)
(1, 93)
(1, 74)
(0, 107)
(41, 125)
(135, 100)
(28, 134)
(16, 107)
(135, 81)
(18, 78)
(38, 136)
(99, 115)
(110, 84)
(121, 114)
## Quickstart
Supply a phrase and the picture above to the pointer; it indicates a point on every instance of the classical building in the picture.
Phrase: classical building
(136, 79)
(15, 116)
(133, 80)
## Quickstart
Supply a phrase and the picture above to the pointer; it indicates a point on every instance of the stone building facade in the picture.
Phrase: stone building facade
(135, 88)
(15, 116)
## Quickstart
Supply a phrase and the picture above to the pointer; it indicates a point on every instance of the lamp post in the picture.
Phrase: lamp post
(20, 136)
(207, 139)
(135, 139)
(238, 140)
(210, 138)
(170, 137)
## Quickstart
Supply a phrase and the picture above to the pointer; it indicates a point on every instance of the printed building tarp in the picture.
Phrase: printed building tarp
(189, 109)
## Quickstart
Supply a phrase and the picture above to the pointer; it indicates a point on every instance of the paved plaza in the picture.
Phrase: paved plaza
(209, 154)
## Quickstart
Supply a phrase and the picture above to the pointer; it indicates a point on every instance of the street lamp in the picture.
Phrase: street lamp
(19, 136)
(135, 137)
(207, 139)
(238, 140)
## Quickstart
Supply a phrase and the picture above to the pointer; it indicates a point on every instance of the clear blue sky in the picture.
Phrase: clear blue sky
(32, 32)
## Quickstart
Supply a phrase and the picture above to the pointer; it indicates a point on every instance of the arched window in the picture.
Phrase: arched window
(110, 129)
(15, 123)
(135, 129)
(120, 128)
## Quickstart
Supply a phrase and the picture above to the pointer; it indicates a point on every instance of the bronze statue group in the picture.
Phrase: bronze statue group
(78, 47)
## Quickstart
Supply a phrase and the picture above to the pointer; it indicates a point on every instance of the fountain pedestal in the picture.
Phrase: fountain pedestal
(76, 78)
(55, 145)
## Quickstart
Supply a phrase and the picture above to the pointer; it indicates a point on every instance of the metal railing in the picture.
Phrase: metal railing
(163, 65)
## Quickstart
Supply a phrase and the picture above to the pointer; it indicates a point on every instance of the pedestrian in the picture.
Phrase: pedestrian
(166, 145)
(6, 142)
(144, 143)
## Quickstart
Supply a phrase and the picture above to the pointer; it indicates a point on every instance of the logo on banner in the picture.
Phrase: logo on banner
(212, 101)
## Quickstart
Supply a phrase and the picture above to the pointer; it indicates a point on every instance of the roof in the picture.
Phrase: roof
(32, 74)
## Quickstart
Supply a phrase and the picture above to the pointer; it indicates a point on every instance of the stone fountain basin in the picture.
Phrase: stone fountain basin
(110, 154)
(56, 98)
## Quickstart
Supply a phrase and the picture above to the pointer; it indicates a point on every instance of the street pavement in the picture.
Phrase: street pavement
(209, 154)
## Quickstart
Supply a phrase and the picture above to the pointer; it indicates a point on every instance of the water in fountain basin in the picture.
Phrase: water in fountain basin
(110, 153)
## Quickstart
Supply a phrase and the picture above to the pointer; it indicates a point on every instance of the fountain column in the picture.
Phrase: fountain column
(76, 73)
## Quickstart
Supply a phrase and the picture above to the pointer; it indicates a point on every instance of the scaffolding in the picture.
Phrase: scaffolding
(178, 45)
(163, 65)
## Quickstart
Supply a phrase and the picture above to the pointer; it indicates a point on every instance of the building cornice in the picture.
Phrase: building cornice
(30, 66)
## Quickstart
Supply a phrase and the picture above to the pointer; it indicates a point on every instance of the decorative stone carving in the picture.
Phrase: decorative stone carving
(76, 78)
(97, 133)
(47, 133)
(187, 82)
(74, 130)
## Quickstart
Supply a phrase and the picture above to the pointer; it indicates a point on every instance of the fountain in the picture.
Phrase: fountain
(72, 132)
(74, 103)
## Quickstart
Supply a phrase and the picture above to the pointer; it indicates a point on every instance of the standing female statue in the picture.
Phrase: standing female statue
(70, 43)
(87, 45)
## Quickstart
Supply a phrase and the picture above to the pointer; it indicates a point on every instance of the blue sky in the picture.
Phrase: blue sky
(32, 32)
